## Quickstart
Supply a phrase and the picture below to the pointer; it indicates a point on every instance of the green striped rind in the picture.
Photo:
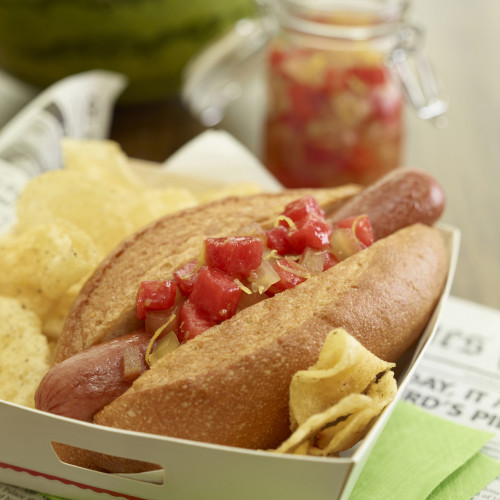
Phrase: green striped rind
(150, 41)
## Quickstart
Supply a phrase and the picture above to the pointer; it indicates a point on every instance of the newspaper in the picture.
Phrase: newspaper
(78, 106)
(8, 492)
(459, 376)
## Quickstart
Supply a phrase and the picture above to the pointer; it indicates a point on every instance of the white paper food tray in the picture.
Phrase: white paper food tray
(190, 470)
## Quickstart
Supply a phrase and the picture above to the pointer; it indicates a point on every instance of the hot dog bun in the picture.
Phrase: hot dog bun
(230, 385)
(105, 307)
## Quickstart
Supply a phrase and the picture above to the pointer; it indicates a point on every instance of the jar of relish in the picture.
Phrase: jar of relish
(337, 73)
(337, 77)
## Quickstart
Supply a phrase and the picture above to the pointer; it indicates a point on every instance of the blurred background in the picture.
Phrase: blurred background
(42, 41)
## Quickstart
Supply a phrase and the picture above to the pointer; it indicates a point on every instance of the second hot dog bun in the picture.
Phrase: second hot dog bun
(230, 385)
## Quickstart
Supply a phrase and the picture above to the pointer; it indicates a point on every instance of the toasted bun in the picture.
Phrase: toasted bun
(230, 386)
(105, 307)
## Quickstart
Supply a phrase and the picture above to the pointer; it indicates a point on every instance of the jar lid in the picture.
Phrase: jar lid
(347, 19)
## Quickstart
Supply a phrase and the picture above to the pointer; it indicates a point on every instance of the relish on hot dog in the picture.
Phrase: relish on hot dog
(317, 271)
(236, 271)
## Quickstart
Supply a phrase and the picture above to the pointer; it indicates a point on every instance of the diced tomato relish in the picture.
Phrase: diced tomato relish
(216, 294)
(330, 261)
(335, 116)
(301, 208)
(312, 231)
(236, 256)
(155, 296)
(277, 239)
(362, 228)
(192, 322)
(288, 278)
(185, 277)
(277, 260)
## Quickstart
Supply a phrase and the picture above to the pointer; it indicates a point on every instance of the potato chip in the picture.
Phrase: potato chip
(308, 430)
(237, 189)
(104, 211)
(46, 259)
(151, 204)
(344, 367)
(104, 161)
(333, 404)
(24, 353)
(29, 298)
(348, 432)
(53, 319)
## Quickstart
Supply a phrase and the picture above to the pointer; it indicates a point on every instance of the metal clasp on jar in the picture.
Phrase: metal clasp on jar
(410, 65)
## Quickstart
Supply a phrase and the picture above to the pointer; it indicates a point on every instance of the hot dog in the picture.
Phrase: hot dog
(97, 378)
(383, 294)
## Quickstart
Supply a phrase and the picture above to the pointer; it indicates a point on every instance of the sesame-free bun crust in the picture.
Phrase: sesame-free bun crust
(230, 386)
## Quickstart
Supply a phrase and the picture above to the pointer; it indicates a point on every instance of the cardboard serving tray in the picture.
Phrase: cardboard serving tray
(191, 470)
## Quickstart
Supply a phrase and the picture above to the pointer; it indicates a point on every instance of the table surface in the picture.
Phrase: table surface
(464, 157)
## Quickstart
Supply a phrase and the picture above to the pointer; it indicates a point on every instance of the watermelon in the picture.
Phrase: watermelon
(150, 41)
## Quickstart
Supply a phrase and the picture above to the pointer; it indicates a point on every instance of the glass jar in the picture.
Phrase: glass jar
(337, 75)
(335, 113)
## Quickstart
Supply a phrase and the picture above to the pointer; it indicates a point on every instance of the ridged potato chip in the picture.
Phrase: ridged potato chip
(349, 431)
(334, 402)
(24, 353)
(344, 367)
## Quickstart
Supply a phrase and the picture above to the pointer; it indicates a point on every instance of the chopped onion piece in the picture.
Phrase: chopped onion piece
(313, 261)
(167, 344)
(155, 336)
(132, 362)
(344, 243)
(263, 277)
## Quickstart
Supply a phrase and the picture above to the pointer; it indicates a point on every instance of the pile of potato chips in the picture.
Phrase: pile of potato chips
(333, 403)
(68, 220)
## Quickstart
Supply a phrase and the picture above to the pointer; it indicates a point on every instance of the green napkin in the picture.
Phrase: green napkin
(420, 456)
